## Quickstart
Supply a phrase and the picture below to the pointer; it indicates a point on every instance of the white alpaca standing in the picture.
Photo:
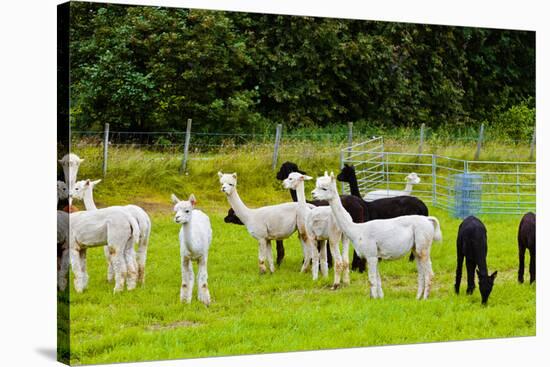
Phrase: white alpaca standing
(70, 163)
(62, 248)
(83, 190)
(195, 238)
(385, 238)
(112, 227)
(411, 179)
(319, 225)
(274, 222)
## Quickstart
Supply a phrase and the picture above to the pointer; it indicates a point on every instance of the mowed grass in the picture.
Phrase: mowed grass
(284, 311)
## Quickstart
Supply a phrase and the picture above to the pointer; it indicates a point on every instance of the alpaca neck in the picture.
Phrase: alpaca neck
(343, 218)
(89, 199)
(293, 194)
(187, 239)
(353, 186)
(238, 206)
(300, 193)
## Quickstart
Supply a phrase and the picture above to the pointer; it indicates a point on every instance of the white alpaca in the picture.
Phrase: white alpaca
(319, 225)
(62, 238)
(112, 227)
(70, 163)
(411, 179)
(83, 190)
(275, 222)
(195, 238)
(62, 191)
(385, 238)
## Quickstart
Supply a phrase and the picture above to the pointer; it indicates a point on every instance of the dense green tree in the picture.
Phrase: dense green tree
(151, 68)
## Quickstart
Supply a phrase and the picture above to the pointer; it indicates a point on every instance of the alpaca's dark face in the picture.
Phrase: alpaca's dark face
(286, 169)
(232, 218)
(346, 174)
(486, 286)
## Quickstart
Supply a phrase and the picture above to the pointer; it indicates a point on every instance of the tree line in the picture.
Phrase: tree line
(150, 68)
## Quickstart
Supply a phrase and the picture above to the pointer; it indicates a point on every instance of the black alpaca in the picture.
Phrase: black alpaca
(382, 208)
(232, 218)
(471, 243)
(352, 205)
(527, 240)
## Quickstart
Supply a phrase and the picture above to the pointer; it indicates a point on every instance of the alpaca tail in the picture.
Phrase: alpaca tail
(437, 229)
(134, 226)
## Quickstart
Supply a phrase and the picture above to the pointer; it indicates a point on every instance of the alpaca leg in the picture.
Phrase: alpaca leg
(142, 256)
(63, 270)
(110, 271)
(314, 259)
(261, 255)
(421, 278)
(120, 268)
(76, 265)
(323, 259)
(380, 293)
(280, 252)
(131, 265)
(269, 256)
(532, 265)
(458, 277)
(521, 269)
(428, 274)
(186, 290)
(202, 279)
(345, 255)
(84, 266)
(470, 272)
(372, 265)
(307, 256)
(338, 263)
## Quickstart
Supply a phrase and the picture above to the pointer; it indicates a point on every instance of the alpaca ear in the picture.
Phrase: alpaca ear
(80, 160)
(175, 199)
(332, 178)
(305, 177)
(88, 182)
(494, 275)
(96, 182)
(326, 174)
(234, 175)
(220, 174)
(193, 200)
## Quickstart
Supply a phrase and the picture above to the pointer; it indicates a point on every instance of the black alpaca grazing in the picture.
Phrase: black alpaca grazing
(232, 218)
(382, 208)
(527, 241)
(352, 205)
(471, 243)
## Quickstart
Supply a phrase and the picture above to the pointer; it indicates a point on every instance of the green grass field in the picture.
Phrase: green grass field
(285, 311)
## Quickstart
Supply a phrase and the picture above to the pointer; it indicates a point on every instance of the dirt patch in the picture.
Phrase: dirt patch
(173, 325)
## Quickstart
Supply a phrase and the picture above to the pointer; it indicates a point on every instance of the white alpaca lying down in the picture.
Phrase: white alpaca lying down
(411, 179)
(385, 238)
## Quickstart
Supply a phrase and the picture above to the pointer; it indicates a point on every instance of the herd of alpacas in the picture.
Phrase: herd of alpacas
(383, 225)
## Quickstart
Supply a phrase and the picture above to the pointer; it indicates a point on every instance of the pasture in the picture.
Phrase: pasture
(284, 311)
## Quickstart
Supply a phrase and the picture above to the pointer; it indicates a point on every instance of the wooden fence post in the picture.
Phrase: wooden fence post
(421, 146)
(533, 143)
(479, 141)
(105, 148)
(186, 146)
(276, 148)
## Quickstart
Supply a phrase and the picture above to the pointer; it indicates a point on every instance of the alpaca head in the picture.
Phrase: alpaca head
(286, 169)
(232, 217)
(294, 179)
(79, 189)
(62, 190)
(325, 187)
(486, 286)
(346, 173)
(70, 163)
(228, 182)
(413, 178)
(183, 209)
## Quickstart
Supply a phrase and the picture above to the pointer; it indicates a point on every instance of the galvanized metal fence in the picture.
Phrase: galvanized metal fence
(460, 186)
